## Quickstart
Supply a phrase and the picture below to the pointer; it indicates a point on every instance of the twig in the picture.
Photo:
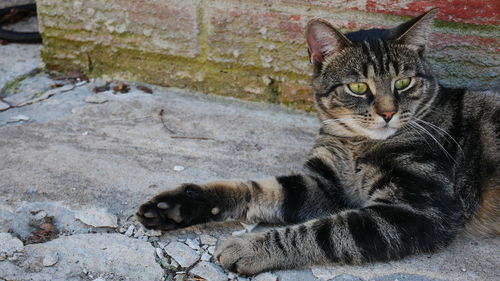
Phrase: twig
(163, 122)
(172, 131)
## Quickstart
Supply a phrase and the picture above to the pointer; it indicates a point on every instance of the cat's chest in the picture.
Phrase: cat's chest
(359, 172)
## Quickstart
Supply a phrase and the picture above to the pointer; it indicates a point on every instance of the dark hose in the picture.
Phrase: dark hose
(19, 37)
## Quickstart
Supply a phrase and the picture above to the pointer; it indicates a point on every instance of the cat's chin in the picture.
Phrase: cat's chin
(380, 133)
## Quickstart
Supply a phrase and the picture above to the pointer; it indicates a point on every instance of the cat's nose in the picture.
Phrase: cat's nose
(387, 115)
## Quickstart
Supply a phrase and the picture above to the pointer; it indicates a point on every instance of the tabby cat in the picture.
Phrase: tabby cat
(401, 164)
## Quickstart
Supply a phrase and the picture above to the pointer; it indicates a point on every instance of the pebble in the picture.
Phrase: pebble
(209, 271)
(153, 233)
(99, 279)
(179, 277)
(208, 240)
(211, 249)
(206, 257)
(130, 231)
(97, 218)
(50, 259)
(193, 244)
(232, 276)
(139, 232)
(182, 254)
(179, 168)
(9, 244)
(159, 253)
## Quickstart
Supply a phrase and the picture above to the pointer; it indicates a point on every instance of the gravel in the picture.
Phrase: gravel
(209, 271)
(208, 240)
(182, 254)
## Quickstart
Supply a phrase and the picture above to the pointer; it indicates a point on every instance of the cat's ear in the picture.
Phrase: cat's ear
(323, 40)
(415, 31)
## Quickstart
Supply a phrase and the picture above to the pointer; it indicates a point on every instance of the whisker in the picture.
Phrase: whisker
(438, 143)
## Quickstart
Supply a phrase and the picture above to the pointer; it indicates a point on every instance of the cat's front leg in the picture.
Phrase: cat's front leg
(285, 199)
(247, 201)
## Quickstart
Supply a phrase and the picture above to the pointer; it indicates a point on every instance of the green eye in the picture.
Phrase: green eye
(402, 83)
(358, 87)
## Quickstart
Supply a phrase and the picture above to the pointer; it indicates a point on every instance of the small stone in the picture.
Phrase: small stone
(179, 168)
(211, 249)
(182, 254)
(97, 218)
(263, 31)
(464, 269)
(206, 257)
(232, 276)
(180, 277)
(130, 231)
(50, 259)
(143, 238)
(192, 244)
(99, 279)
(139, 232)
(153, 233)
(159, 253)
(18, 118)
(209, 271)
(9, 244)
(266, 277)
(86, 133)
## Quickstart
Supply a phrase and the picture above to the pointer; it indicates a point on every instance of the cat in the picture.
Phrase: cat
(401, 165)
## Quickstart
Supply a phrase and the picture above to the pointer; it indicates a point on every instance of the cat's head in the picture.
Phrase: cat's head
(369, 83)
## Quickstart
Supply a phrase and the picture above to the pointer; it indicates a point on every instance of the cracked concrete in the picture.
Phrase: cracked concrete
(71, 155)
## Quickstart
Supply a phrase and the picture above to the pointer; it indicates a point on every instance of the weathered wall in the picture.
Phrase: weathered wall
(252, 49)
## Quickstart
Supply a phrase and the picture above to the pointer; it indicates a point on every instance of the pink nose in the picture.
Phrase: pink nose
(387, 115)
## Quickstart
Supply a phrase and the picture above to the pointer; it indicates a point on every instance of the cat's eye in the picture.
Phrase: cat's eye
(402, 83)
(358, 87)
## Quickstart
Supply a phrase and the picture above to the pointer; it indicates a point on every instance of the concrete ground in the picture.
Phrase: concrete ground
(88, 160)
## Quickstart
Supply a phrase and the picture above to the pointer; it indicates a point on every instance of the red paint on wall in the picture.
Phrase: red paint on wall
(466, 11)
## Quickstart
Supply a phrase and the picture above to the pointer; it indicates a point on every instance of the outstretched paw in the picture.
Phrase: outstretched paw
(186, 205)
(245, 255)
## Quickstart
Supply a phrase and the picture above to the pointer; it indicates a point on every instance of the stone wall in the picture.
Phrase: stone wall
(252, 49)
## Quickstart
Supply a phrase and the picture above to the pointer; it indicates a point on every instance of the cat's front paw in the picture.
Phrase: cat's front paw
(245, 255)
(186, 205)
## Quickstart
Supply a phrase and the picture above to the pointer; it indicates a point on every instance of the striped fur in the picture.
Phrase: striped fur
(371, 190)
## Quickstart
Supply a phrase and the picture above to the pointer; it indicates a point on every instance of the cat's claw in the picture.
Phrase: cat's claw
(177, 208)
